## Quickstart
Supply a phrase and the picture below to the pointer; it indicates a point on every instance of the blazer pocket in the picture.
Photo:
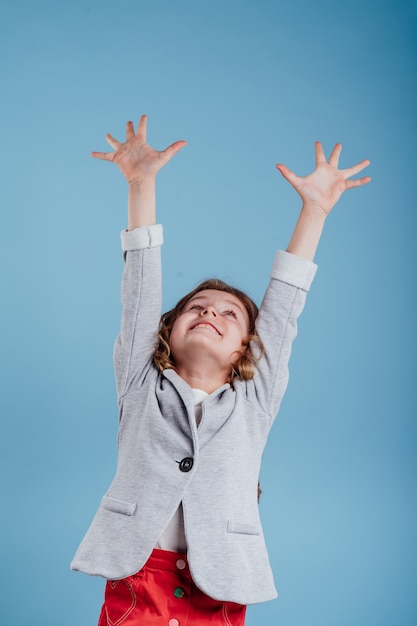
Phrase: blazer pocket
(118, 506)
(243, 528)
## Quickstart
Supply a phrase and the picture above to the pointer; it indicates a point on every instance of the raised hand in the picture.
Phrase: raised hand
(135, 158)
(323, 187)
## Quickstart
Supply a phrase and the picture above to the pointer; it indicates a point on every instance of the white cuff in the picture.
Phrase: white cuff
(294, 270)
(142, 237)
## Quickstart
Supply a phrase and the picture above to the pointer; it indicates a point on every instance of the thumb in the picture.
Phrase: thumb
(169, 152)
(288, 174)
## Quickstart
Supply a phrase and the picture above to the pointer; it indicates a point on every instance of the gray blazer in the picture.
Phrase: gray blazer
(165, 460)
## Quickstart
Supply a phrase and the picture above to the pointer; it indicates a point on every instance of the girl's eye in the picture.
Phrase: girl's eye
(196, 306)
(231, 313)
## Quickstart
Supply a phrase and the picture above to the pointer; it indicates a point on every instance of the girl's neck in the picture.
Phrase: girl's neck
(198, 380)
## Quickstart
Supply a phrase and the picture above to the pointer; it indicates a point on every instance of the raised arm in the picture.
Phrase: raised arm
(319, 192)
(139, 164)
(293, 273)
(141, 283)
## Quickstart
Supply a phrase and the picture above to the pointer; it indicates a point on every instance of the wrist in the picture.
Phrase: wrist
(314, 211)
(307, 232)
(142, 182)
(141, 202)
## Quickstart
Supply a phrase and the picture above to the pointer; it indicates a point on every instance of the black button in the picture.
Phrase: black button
(186, 464)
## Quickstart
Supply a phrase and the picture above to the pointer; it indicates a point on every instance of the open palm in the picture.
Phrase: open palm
(324, 186)
(135, 158)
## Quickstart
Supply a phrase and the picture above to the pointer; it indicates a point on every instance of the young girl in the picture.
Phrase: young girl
(178, 534)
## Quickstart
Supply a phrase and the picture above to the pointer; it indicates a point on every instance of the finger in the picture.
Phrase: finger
(358, 182)
(104, 156)
(355, 169)
(142, 127)
(335, 155)
(288, 174)
(169, 152)
(112, 141)
(320, 156)
(130, 131)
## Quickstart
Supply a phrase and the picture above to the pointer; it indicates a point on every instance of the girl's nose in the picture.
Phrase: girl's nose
(210, 310)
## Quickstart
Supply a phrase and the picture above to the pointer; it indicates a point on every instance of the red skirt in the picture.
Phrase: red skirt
(163, 593)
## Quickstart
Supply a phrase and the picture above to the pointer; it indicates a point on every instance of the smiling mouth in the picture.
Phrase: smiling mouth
(208, 326)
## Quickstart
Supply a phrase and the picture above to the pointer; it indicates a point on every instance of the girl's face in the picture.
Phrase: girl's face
(213, 324)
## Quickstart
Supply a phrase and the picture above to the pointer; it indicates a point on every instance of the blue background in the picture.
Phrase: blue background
(247, 84)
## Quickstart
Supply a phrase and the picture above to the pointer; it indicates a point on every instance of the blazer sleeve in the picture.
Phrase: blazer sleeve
(141, 306)
(276, 325)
